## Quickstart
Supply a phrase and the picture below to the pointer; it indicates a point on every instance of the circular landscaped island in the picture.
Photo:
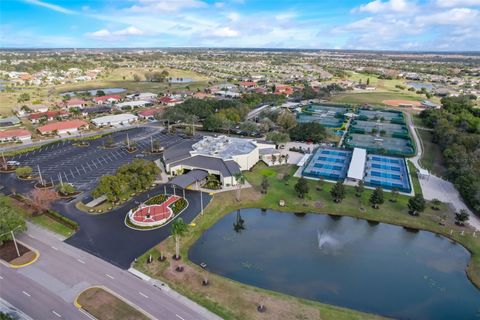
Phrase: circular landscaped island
(155, 212)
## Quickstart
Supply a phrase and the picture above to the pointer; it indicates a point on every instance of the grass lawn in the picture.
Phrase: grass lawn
(376, 98)
(233, 300)
(43, 220)
(413, 173)
(432, 157)
(52, 225)
(105, 306)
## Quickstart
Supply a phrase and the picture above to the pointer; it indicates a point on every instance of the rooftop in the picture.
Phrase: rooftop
(222, 146)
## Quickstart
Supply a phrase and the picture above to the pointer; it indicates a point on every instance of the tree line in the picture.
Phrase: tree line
(456, 130)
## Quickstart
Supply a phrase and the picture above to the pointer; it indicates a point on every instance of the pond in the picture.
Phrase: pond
(93, 92)
(377, 268)
(420, 85)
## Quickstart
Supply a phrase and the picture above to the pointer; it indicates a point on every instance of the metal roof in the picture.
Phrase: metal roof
(357, 164)
(226, 168)
(184, 180)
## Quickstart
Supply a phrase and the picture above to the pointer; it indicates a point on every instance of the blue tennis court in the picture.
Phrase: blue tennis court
(387, 172)
(329, 164)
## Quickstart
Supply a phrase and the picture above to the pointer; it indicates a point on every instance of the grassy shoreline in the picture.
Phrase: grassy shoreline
(318, 201)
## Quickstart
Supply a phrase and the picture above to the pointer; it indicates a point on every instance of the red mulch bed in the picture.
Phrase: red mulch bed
(8, 251)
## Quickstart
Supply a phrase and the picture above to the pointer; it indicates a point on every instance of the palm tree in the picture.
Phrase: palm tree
(240, 181)
(178, 230)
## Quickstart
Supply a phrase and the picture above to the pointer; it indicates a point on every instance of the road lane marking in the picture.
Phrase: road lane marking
(54, 248)
(56, 313)
(109, 276)
(142, 294)
(28, 234)
(179, 316)
(26, 293)
(1, 278)
(81, 261)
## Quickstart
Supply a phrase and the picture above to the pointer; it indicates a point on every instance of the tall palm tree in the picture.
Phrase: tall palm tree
(178, 230)
(240, 181)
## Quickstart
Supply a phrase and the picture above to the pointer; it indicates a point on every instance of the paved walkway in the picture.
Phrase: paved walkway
(437, 188)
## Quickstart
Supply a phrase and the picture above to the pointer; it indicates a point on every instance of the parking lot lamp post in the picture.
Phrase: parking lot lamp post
(164, 189)
(173, 186)
(128, 142)
(15, 243)
(151, 144)
(201, 197)
(40, 175)
(5, 166)
(183, 193)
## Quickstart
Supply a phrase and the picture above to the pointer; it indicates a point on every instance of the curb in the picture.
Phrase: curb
(118, 296)
(18, 266)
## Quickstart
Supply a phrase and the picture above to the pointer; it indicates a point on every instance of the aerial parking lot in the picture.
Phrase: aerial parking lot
(84, 165)
(104, 235)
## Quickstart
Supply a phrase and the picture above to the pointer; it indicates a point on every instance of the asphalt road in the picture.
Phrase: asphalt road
(47, 288)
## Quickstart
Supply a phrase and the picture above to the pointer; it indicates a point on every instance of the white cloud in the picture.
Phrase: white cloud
(102, 33)
(50, 6)
(379, 6)
(225, 32)
(457, 3)
(130, 31)
(457, 16)
(166, 5)
(219, 4)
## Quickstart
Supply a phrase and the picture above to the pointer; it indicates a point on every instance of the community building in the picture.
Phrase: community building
(221, 156)
(133, 104)
(115, 120)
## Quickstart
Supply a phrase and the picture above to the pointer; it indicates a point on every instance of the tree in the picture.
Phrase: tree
(394, 195)
(213, 122)
(23, 97)
(368, 81)
(109, 143)
(376, 197)
(100, 93)
(436, 204)
(274, 159)
(311, 131)
(66, 188)
(278, 137)
(136, 77)
(461, 217)
(359, 188)
(416, 204)
(286, 120)
(301, 187)
(338, 192)
(240, 178)
(178, 230)
(10, 220)
(286, 178)
(265, 184)
(24, 172)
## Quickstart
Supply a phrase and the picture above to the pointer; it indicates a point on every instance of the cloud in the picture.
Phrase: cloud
(456, 16)
(379, 6)
(166, 6)
(457, 3)
(50, 6)
(225, 32)
(105, 33)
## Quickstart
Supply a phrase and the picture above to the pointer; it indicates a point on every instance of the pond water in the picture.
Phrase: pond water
(377, 268)
(180, 80)
(93, 92)
(420, 85)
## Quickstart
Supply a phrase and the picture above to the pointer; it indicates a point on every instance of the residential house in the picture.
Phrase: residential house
(63, 127)
(15, 135)
(108, 99)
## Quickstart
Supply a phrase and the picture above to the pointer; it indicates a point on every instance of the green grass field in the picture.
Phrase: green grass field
(432, 158)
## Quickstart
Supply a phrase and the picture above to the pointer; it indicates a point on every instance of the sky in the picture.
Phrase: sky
(413, 25)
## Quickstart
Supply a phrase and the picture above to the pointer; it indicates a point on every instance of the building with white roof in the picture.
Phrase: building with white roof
(115, 120)
(133, 104)
(356, 170)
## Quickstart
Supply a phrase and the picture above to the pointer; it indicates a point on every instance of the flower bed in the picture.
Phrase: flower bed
(155, 212)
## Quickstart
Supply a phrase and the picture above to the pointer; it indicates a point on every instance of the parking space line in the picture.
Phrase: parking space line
(142, 294)
(71, 172)
(77, 170)
(56, 313)
(26, 293)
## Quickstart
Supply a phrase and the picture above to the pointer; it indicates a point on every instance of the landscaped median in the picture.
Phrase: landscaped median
(232, 300)
(104, 304)
(10, 256)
